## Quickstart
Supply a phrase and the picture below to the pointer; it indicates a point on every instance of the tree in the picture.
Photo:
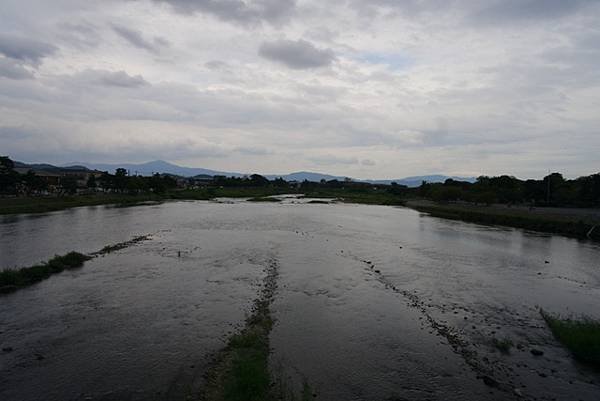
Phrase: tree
(34, 183)
(120, 179)
(69, 184)
(91, 181)
(9, 178)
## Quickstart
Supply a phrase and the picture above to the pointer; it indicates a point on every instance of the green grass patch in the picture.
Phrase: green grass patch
(121, 245)
(11, 280)
(263, 199)
(492, 216)
(42, 204)
(503, 345)
(580, 336)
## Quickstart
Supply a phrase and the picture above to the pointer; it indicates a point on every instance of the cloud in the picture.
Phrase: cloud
(328, 160)
(120, 79)
(12, 70)
(522, 10)
(136, 39)
(298, 54)
(249, 12)
(26, 50)
(215, 65)
(367, 162)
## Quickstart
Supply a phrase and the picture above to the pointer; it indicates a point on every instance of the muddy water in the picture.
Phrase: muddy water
(373, 303)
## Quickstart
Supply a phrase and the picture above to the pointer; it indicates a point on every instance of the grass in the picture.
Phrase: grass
(367, 197)
(264, 199)
(509, 218)
(504, 345)
(241, 372)
(11, 280)
(121, 245)
(49, 204)
(581, 337)
(14, 279)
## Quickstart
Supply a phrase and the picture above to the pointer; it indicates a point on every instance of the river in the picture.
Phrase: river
(373, 302)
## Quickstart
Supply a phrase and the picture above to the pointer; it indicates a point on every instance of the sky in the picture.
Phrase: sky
(368, 89)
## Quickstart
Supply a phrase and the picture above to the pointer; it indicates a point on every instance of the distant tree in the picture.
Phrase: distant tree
(258, 180)
(9, 178)
(34, 183)
(120, 179)
(280, 182)
(69, 184)
(91, 181)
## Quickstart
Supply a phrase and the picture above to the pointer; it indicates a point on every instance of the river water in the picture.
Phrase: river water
(373, 302)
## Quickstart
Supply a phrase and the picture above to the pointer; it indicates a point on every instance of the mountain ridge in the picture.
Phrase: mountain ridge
(161, 166)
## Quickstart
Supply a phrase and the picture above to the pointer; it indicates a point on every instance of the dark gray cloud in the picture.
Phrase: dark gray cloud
(12, 70)
(26, 50)
(244, 12)
(137, 39)
(215, 65)
(81, 35)
(296, 54)
(120, 79)
(520, 10)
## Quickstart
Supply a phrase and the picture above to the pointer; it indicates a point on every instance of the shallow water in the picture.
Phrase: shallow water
(373, 302)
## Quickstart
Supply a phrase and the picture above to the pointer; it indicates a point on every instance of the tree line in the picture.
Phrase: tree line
(552, 190)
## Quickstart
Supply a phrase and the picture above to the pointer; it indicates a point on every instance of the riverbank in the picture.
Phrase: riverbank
(14, 279)
(41, 204)
(578, 223)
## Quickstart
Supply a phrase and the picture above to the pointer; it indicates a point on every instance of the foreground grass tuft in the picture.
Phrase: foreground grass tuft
(264, 199)
(121, 245)
(503, 345)
(581, 337)
(11, 280)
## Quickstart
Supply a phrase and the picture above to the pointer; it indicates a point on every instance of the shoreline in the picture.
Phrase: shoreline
(542, 220)
(570, 222)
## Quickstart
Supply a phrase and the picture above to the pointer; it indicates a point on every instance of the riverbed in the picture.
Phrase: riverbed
(373, 302)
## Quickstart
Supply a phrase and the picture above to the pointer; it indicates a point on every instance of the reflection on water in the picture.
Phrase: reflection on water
(141, 323)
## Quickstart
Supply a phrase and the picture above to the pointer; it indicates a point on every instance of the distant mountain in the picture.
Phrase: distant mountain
(416, 181)
(305, 175)
(48, 167)
(157, 166)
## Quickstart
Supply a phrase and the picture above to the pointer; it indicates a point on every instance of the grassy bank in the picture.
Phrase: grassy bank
(264, 199)
(581, 337)
(12, 280)
(566, 225)
(370, 197)
(49, 204)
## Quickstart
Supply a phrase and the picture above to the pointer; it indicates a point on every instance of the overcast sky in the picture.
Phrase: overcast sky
(369, 89)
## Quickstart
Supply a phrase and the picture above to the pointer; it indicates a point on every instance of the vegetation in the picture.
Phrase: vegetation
(511, 217)
(264, 199)
(581, 337)
(504, 345)
(121, 245)
(11, 280)
(49, 204)
(242, 369)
